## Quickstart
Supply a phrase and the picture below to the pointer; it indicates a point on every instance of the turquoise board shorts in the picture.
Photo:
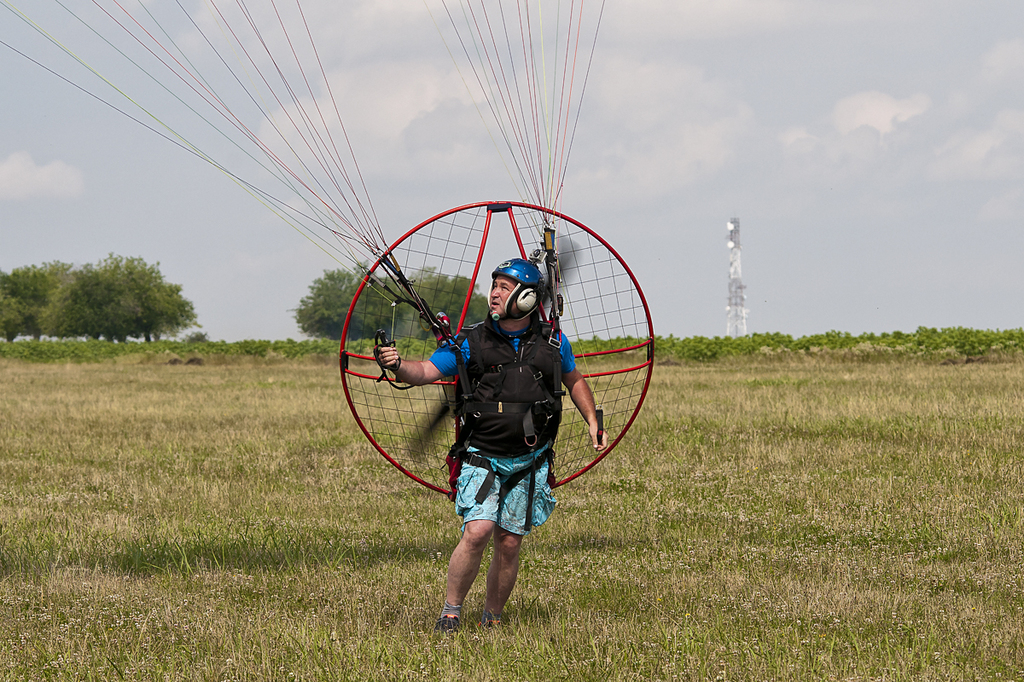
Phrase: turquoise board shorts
(513, 509)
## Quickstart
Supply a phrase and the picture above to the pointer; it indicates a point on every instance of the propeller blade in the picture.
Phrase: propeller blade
(569, 259)
(422, 444)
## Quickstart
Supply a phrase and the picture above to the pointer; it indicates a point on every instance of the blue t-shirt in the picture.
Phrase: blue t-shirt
(444, 357)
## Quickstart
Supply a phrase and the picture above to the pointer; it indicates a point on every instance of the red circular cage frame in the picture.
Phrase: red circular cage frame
(443, 256)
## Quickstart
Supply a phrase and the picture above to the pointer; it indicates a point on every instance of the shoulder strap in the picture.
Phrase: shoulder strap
(553, 334)
(460, 362)
(464, 387)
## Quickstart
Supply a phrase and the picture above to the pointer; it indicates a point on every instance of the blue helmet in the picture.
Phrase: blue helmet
(519, 269)
(525, 296)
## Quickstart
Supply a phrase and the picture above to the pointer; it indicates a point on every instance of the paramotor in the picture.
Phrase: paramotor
(603, 311)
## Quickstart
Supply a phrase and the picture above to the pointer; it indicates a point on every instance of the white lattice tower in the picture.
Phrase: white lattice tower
(736, 311)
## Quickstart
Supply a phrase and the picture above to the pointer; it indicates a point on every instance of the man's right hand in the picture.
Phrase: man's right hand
(385, 353)
(388, 357)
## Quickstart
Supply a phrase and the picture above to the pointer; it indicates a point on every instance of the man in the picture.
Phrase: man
(515, 365)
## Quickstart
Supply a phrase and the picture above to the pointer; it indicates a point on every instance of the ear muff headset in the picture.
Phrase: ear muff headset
(525, 296)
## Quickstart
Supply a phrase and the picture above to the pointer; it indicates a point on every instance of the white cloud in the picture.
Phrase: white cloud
(402, 93)
(1005, 206)
(384, 98)
(988, 154)
(21, 178)
(998, 80)
(724, 16)
(877, 110)
(393, 113)
(687, 19)
(857, 144)
(663, 125)
(797, 140)
(352, 30)
(1003, 63)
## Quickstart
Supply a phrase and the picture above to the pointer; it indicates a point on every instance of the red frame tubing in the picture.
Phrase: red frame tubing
(501, 206)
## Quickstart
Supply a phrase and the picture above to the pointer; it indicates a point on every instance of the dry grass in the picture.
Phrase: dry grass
(769, 518)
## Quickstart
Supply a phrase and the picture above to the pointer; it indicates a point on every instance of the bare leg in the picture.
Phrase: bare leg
(465, 562)
(501, 576)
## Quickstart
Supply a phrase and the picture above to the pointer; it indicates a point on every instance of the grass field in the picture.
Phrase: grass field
(771, 517)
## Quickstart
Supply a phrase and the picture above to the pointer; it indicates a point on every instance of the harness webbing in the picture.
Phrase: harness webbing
(508, 486)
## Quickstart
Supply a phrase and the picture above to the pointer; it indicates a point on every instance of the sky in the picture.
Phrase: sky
(873, 152)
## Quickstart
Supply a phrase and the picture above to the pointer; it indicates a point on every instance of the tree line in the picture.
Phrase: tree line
(322, 313)
(116, 299)
(126, 298)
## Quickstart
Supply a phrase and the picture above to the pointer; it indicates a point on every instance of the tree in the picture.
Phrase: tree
(448, 295)
(25, 295)
(117, 299)
(10, 314)
(322, 313)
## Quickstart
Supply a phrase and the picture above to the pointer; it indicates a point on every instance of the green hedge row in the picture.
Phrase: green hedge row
(698, 348)
(93, 351)
(958, 340)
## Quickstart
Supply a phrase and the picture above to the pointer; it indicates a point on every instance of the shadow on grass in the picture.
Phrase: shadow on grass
(283, 551)
(252, 548)
(249, 549)
(276, 553)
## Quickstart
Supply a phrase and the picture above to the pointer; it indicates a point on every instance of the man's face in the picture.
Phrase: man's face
(501, 288)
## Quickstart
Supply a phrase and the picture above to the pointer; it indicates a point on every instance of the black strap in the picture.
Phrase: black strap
(529, 495)
(555, 340)
(528, 410)
(463, 388)
(460, 362)
(485, 487)
(499, 407)
(514, 480)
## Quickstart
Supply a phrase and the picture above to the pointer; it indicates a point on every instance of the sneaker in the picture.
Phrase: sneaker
(447, 624)
(490, 620)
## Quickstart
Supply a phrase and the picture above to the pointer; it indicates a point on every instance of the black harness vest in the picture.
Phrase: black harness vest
(512, 405)
(509, 401)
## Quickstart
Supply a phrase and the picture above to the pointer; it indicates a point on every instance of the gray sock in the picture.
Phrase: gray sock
(450, 610)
